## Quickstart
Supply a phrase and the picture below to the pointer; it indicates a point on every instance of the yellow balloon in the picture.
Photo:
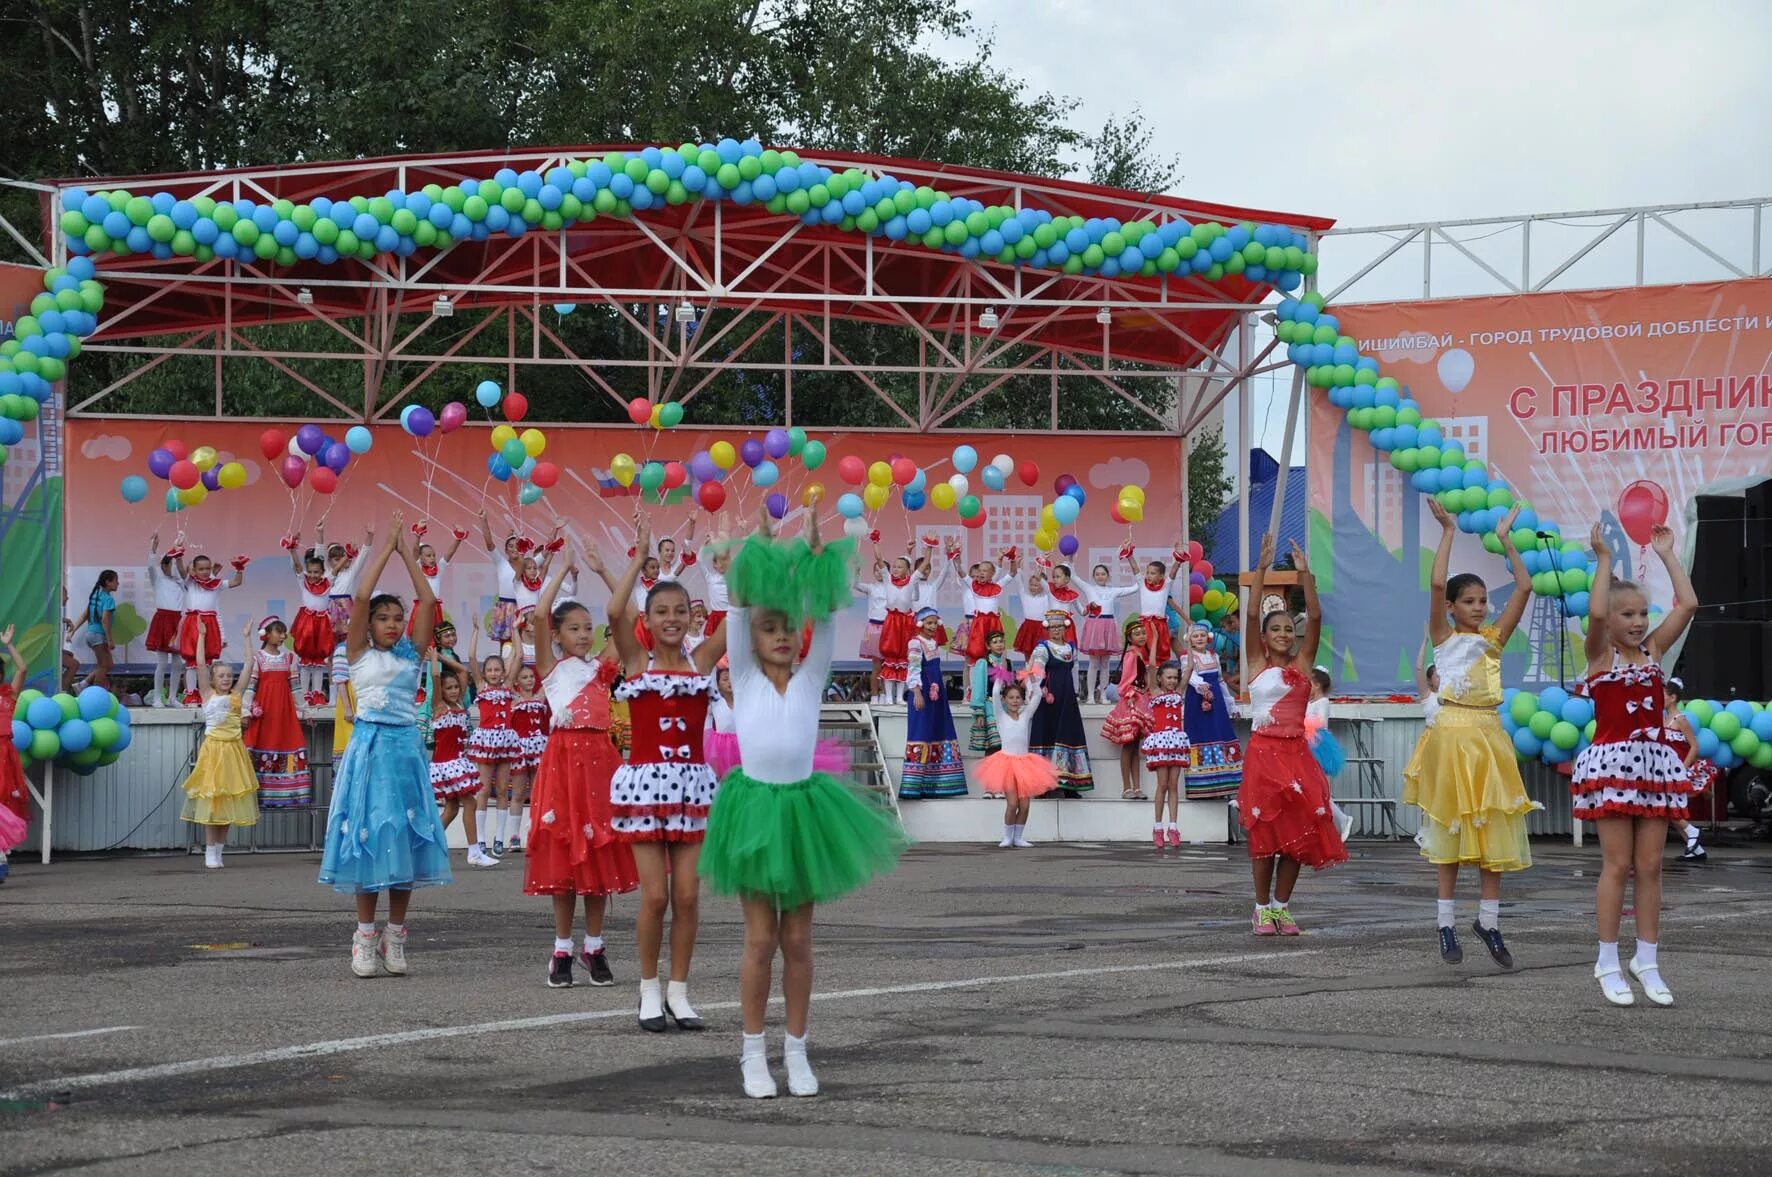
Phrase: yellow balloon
(192, 495)
(622, 469)
(880, 474)
(1135, 493)
(1133, 511)
(875, 495)
(1213, 600)
(656, 410)
(203, 457)
(1045, 540)
(1048, 518)
(534, 442)
(723, 454)
(813, 494)
(500, 435)
(232, 476)
(942, 495)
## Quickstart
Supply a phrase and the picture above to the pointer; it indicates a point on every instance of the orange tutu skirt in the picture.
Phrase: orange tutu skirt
(1016, 776)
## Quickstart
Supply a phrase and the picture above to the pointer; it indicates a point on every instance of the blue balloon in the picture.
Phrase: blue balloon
(1527, 744)
(95, 703)
(1707, 742)
(993, 477)
(358, 439)
(849, 506)
(487, 393)
(914, 499)
(965, 458)
(1552, 699)
(1075, 491)
(21, 735)
(1578, 711)
(76, 735)
(135, 487)
(1577, 604)
(45, 715)
(498, 467)
(918, 483)
(1066, 509)
(1741, 710)
(767, 473)
(1762, 725)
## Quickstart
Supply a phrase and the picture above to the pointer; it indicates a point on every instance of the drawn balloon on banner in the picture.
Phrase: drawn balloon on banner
(1456, 367)
(1642, 507)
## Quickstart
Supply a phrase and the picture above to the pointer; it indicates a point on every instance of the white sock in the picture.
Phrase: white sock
(1644, 955)
(1447, 912)
(521, 818)
(1489, 913)
(563, 944)
(367, 929)
(1691, 832)
(754, 1047)
(1608, 961)
(1277, 905)
(1157, 828)
(593, 944)
(1174, 827)
(651, 1000)
(677, 993)
(190, 678)
(159, 677)
(496, 829)
(394, 929)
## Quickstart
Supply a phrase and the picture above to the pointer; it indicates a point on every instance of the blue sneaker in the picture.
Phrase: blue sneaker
(1450, 952)
(1497, 947)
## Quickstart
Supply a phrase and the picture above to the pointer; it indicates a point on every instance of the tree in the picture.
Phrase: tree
(1124, 159)
(1208, 486)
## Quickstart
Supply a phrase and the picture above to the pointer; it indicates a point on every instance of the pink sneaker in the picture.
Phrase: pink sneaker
(1263, 923)
(1172, 836)
(1157, 837)
(1284, 922)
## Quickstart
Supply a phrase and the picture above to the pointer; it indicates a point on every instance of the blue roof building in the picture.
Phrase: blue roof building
(1264, 481)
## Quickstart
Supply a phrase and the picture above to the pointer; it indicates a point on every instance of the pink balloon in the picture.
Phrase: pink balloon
(292, 470)
(453, 417)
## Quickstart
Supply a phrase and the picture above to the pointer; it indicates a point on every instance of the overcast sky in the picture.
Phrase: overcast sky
(1380, 113)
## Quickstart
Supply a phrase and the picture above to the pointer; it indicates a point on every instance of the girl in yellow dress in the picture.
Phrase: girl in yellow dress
(1463, 774)
(222, 789)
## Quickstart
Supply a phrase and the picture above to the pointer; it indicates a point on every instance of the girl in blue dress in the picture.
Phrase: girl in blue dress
(932, 765)
(1215, 759)
(382, 833)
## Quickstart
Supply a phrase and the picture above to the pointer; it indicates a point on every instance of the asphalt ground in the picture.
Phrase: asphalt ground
(1066, 1009)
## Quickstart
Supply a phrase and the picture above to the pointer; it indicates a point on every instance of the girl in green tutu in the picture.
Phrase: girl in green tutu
(783, 836)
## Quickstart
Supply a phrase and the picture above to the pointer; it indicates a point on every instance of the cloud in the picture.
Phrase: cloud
(1119, 472)
(107, 445)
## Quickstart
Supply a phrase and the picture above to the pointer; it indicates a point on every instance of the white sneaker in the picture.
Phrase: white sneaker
(801, 1080)
(363, 953)
(1345, 826)
(479, 857)
(1008, 840)
(754, 1066)
(391, 948)
(212, 856)
(1021, 841)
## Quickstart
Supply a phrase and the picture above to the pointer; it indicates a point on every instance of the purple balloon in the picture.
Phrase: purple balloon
(702, 466)
(420, 422)
(309, 439)
(1068, 545)
(337, 456)
(1063, 483)
(751, 452)
(777, 504)
(776, 444)
(1196, 578)
(212, 479)
(160, 463)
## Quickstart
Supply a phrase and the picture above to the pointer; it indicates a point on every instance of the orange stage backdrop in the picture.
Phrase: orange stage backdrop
(444, 478)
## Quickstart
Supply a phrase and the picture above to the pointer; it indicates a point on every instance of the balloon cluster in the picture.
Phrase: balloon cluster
(1551, 725)
(515, 455)
(312, 455)
(1733, 733)
(42, 342)
(192, 475)
(1380, 407)
(1209, 598)
(83, 733)
(623, 183)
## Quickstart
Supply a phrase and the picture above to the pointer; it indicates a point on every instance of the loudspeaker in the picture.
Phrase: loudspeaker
(1756, 595)
(1710, 508)
(1726, 659)
(1719, 564)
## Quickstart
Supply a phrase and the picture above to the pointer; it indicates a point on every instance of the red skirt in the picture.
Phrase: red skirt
(982, 627)
(1028, 637)
(278, 746)
(436, 616)
(895, 644)
(310, 636)
(1157, 630)
(1283, 803)
(13, 793)
(163, 631)
(571, 850)
(187, 637)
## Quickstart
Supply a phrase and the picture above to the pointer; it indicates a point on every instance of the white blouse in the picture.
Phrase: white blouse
(1015, 731)
(169, 591)
(776, 730)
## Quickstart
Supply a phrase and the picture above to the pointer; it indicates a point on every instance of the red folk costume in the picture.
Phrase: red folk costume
(201, 597)
(986, 616)
(274, 737)
(1629, 770)
(1064, 600)
(310, 634)
(13, 794)
(573, 849)
(898, 628)
(495, 740)
(664, 791)
(529, 718)
(1283, 803)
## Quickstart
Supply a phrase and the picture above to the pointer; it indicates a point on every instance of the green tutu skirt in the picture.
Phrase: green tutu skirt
(810, 842)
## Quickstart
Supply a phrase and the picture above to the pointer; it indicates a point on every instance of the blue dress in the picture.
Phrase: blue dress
(1057, 732)
(382, 832)
(932, 764)
(1215, 758)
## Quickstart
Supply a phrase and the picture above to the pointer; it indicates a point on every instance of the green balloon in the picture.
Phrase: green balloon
(812, 457)
(796, 441)
(513, 453)
(1762, 756)
(1383, 416)
(1592, 726)
(1565, 735)
(86, 757)
(1745, 743)
(44, 745)
(70, 706)
(670, 414)
(1491, 541)
(1523, 707)
(1726, 727)
(1542, 723)
(651, 475)
(970, 506)
(1574, 580)
(1699, 709)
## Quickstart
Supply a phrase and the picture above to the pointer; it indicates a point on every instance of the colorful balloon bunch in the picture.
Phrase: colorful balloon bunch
(1063, 511)
(1209, 598)
(84, 732)
(312, 455)
(1733, 733)
(42, 342)
(623, 183)
(193, 475)
(1551, 725)
(515, 455)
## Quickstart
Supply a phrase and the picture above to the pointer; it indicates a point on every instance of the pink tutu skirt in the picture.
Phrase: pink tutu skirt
(1100, 635)
(721, 749)
(12, 829)
(1016, 776)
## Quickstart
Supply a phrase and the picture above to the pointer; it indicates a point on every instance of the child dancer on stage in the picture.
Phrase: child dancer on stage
(573, 851)
(382, 832)
(221, 790)
(900, 627)
(101, 607)
(529, 718)
(874, 589)
(1036, 602)
(1214, 757)
(660, 797)
(1324, 746)
(1629, 782)
(1014, 773)
(1101, 635)
(1701, 772)
(311, 632)
(274, 737)
(432, 566)
(1284, 801)
(932, 764)
(343, 562)
(1067, 599)
(202, 593)
(15, 798)
(983, 602)
(720, 737)
(1058, 726)
(454, 779)
(1153, 599)
(493, 746)
(783, 836)
(1165, 749)
(167, 574)
(507, 563)
(984, 737)
(1126, 725)
(1464, 774)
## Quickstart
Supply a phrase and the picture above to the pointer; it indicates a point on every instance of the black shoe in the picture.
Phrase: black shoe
(1694, 853)
(1491, 938)
(654, 1025)
(560, 971)
(1450, 952)
(692, 1022)
(597, 967)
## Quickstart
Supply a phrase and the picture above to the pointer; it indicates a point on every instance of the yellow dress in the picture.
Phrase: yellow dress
(1463, 775)
(222, 789)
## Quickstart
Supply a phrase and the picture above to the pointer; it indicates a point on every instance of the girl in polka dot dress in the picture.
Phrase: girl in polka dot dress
(529, 718)
(659, 799)
(1629, 782)
(494, 746)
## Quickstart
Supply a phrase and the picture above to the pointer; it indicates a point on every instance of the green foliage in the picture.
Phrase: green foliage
(1208, 489)
(126, 626)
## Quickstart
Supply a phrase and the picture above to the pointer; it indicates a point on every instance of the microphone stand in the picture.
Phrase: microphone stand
(1550, 547)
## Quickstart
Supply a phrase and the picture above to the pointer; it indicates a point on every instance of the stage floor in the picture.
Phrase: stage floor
(1084, 1009)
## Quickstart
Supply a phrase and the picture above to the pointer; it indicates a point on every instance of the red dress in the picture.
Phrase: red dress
(572, 849)
(1166, 745)
(529, 719)
(1066, 598)
(310, 634)
(452, 773)
(13, 793)
(1130, 718)
(200, 616)
(1629, 770)
(895, 636)
(664, 791)
(495, 740)
(1283, 803)
(274, 737)
(983, 624)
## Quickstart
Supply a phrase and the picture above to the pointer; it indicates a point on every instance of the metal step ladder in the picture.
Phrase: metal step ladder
(853, 726)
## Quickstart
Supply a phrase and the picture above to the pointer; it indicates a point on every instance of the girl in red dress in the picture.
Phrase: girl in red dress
(1283, 803)
(983, 601)
(899, 627)
(15, 799)
(1166, 749)
(573, 851)
(529, 718)
(1126, 725)
(1068, 600)
(1629, 782)
(202, 594)
(1683, 739)
(274, 737)
(453, 776)
(494, 746)
(1035, 603)
(311, 632)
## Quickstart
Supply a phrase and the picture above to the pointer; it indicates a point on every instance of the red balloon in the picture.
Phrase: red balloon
(1114, 513)
(183, 475)
(1195, 553)
(517, 408)
(1194, 593)
(711, 496)
(903, 470)
(1204, 568)
(851, 470)
(292, 470)
(1063, 483)
(177, 449)
(545, 474)
(976, 522)
(1642, 507)
(323, 479)
(1028, 472)
(675, 475)
(271, 444)
(639, 410)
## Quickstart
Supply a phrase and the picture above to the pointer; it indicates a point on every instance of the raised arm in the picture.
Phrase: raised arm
(544, 619)
(1522, 596)
(1599, 603)
(1439, 624)
(424, 618)
(486, 533)
(1422, 690)
(621, 604)
(248, 667)
(1685, 599)
(1313, 608)
(1252, 648)
(357, 632)
(455, 543)
(19, 670)
(295, 554)
(474, 660)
